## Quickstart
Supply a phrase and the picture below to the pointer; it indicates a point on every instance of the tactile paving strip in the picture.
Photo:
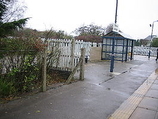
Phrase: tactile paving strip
(127, 108)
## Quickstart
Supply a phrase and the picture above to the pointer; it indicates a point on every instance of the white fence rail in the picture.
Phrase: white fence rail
(70, 51)
(63, 54)
(67, 47)
(63, 49)
(138, 50)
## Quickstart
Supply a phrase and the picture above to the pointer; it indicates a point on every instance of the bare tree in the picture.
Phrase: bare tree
(91, 29)
(11, 17)
(15, 10)
(109, 28)
(90, 33)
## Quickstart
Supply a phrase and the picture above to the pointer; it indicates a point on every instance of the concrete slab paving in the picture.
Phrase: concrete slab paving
(131, 104)
(156, 82)
(141, 113)
(152, 93)
(154, 87)
(156, 117)
(149, 103)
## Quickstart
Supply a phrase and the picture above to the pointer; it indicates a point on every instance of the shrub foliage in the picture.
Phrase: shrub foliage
(19, 65)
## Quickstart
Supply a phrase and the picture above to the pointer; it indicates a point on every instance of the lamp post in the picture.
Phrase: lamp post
(116, 11)
(152, 28)
(113, 42)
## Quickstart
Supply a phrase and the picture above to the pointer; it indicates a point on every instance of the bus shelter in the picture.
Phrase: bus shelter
(123, 46)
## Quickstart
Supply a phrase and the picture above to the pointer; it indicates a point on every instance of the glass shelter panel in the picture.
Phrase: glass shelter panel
(104, 47)
(109, 41)
(119, 42)
(104, 41)
(122, 48)
(109, 48)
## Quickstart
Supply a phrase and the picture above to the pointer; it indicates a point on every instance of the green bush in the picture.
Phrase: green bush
(20, 59)
(154, 43)
(25, 77)
(6, 88)
(29, 75)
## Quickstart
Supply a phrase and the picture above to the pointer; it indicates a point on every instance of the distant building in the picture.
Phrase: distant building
(146, 41)
(150, 38)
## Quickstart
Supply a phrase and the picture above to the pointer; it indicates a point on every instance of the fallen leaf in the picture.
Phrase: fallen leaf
(38, 111)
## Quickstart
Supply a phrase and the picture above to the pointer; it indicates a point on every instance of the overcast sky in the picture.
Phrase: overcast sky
(134, 16)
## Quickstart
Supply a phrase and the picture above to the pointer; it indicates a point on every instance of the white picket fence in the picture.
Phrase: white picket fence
(70, 51)
(138, 50)
(66, 47)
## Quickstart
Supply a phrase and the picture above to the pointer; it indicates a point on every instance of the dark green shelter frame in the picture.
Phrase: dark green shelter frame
(123, 48)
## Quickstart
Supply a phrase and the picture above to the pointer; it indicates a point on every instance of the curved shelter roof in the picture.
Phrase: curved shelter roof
(117, 35)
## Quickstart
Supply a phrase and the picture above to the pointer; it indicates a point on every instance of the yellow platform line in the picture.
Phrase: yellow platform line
(127, 107)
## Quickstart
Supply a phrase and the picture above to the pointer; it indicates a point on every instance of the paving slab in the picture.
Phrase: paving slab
(156, 82)
(141, 113)
(156, 117)
(154, 87)
(152, 93)
(149, 103)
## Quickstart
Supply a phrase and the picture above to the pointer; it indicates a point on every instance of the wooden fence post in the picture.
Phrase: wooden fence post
(82, 64)
(73, 72)
(44, 73)
(72, 53)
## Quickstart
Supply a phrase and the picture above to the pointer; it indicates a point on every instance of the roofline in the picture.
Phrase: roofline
(116, 37)
(124, 36)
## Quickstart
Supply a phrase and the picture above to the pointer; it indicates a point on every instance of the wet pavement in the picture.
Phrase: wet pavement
(142, 104)
(97, 97)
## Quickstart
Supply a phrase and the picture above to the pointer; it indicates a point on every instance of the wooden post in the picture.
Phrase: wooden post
(73, 72)
(82, 64)
(72, 53)
(44, 70)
